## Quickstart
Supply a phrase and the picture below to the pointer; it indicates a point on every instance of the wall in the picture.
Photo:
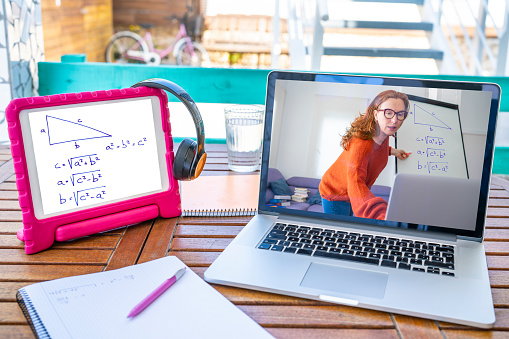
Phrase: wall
(5, 76)
(77, 26)
(21, 49)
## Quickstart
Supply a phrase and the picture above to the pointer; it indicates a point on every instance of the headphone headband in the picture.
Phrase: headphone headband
(185, 98)
(189, 161)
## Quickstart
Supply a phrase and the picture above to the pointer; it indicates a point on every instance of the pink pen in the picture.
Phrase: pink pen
(157, 292)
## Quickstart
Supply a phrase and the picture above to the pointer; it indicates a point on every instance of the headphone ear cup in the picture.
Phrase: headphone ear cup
(183, 164)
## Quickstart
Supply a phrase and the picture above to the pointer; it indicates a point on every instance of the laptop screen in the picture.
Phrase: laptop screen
(379, 151)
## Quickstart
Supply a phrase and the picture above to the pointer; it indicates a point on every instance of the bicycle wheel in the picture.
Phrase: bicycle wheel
(185, 56)
(126, 47)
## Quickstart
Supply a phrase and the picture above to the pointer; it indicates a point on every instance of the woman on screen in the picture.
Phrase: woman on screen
(345, 186)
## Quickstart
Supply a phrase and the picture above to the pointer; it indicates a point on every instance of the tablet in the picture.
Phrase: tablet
(89, 162)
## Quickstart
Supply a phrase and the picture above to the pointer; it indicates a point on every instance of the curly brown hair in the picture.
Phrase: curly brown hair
(364, 126)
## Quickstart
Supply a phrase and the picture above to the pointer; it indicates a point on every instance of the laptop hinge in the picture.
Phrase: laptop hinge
(463, 237)
(267, 213)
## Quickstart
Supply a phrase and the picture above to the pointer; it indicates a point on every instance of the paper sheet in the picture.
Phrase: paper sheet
(96, 306)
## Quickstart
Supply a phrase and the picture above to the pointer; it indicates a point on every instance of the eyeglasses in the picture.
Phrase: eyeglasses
(389, 113)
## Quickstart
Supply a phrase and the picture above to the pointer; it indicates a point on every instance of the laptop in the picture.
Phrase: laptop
(440, 201)
(432, 268)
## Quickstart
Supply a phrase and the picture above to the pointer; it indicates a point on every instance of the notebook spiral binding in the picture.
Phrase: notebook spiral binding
(31, 315)
(219, 213)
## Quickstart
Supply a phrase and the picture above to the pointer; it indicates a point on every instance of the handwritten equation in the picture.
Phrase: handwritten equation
(430, 166)
(433, 136)
(67, 295)
(431, 140)
(81, 180)
(432, 159)
(125, 144)
(433, 152)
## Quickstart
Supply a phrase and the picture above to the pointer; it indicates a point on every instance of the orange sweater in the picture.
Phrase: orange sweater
(351, 176)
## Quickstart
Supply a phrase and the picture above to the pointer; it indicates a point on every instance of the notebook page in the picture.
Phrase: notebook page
(96, 306)
(220, 195)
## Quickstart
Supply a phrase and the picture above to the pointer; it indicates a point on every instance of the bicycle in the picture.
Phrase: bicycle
(129, 47)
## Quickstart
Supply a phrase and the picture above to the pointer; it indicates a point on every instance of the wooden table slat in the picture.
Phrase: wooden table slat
(8, 290)
(496, 212)
(475, 334)
(9, 205)
(158, 240)
(200, 244)
(317, 316)
(499, 278)
(8, 186)
(8, 195)
(496, 247)
(252, 297)
(16, 331)
(11, 314)
(55, 256)
(218, 221)
(101, 241)
(502, 322)
(208, 231)
(11, 216)
(35, 273)
(10, 227)
(494, 202)
(6, 170)
(196, 258)
(416, 327)
(130, 246)
(496, 234)
(500, 297)
(320, 333)
(499, 194)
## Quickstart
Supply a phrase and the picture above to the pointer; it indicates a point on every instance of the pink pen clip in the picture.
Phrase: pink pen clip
(156, 293)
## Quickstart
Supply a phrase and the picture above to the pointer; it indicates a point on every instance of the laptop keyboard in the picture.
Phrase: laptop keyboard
(370, 249)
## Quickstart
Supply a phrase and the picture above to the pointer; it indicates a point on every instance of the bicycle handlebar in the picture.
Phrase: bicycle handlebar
(182, 19)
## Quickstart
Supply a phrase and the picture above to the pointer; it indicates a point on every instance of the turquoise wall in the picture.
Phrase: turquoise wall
(501, 161)
(212, 85)
(220, 85)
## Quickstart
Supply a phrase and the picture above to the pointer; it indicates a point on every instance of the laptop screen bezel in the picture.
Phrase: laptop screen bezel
(389, 81)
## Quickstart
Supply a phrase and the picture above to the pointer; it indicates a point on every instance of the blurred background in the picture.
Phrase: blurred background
(385, 36)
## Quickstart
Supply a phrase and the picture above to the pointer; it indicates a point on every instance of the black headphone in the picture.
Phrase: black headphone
(190, 157)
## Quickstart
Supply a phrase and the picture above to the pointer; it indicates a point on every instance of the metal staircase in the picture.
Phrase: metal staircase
(309, 21)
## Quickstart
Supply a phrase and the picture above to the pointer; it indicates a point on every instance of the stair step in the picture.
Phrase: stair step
(423, 26)
(384, 52)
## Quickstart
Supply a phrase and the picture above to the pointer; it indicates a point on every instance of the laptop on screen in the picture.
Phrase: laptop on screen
(330, 147)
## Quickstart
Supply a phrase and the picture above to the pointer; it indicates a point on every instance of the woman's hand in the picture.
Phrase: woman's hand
(399, 153)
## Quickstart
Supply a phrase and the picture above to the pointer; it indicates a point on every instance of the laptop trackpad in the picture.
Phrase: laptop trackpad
(345, 280)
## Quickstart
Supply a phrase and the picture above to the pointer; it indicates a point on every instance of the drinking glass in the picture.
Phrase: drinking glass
(244, 130)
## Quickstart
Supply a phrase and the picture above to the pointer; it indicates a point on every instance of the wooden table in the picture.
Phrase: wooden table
(198, 241)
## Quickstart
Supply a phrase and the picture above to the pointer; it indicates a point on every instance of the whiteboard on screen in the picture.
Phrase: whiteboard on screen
(432, 134)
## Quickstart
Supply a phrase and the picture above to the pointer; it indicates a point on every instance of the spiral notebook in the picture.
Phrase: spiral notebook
(96, 306)
(220, 195)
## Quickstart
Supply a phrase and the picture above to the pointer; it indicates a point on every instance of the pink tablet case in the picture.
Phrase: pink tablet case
(39, 234)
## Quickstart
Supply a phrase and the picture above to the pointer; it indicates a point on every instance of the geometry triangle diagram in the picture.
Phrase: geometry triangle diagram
(61, 131)
(423, 117)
